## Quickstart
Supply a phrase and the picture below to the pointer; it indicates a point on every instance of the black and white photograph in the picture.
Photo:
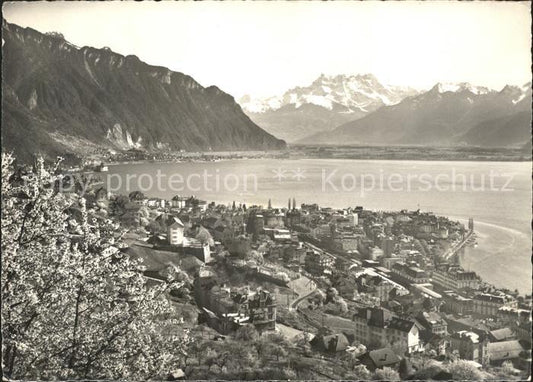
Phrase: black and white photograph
(266, 190)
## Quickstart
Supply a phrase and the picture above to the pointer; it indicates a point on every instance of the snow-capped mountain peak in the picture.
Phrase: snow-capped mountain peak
(444, 87)
(259, 105)
(359, 93)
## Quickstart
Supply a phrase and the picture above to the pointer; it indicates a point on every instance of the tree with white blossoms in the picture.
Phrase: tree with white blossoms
(73, 305)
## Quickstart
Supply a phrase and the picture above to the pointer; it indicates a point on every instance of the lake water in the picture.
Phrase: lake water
(496, 194)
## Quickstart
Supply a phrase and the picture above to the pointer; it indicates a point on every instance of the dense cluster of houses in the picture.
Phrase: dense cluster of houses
(409, 300)
(227, 309)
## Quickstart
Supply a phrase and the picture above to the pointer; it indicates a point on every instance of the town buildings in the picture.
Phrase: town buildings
(470, 346)
(453, 277)
(227, 309)
(504, 350)
(509, 314)
(380, 327)
(318, 263)
(175, 231)
(374, 261)
(378, 286)
(333, 343)
(503, 334)
(489, 304)
(455, 303)
(409, 274)
(433, 322)
(380, 358)
(178, 202)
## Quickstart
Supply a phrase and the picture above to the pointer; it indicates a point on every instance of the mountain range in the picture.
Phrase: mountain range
(447, 114)
(323, 105)
(359, 109)
(62, 99)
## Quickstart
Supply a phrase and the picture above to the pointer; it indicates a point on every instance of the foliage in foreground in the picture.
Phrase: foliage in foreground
(73, 306)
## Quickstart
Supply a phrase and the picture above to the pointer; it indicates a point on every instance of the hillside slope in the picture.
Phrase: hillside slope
(444, 115)
(60, 97)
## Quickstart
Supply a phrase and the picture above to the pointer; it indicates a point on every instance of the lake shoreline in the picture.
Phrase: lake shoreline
(294, 152)
(385, 160)
(493, 160)
(488, 208)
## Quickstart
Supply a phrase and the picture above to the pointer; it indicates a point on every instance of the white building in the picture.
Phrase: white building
(178, 201)
(175, 232)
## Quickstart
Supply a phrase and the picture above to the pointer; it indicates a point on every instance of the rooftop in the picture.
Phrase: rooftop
(473, 337)
(502, 334)
(505, 350)
(381, 357)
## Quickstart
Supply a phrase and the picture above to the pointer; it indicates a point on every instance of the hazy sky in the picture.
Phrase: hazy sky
(264, 48)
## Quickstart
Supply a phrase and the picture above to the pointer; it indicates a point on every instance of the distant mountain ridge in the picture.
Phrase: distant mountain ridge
(58, 98)
(447, 114)
(323, 105)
